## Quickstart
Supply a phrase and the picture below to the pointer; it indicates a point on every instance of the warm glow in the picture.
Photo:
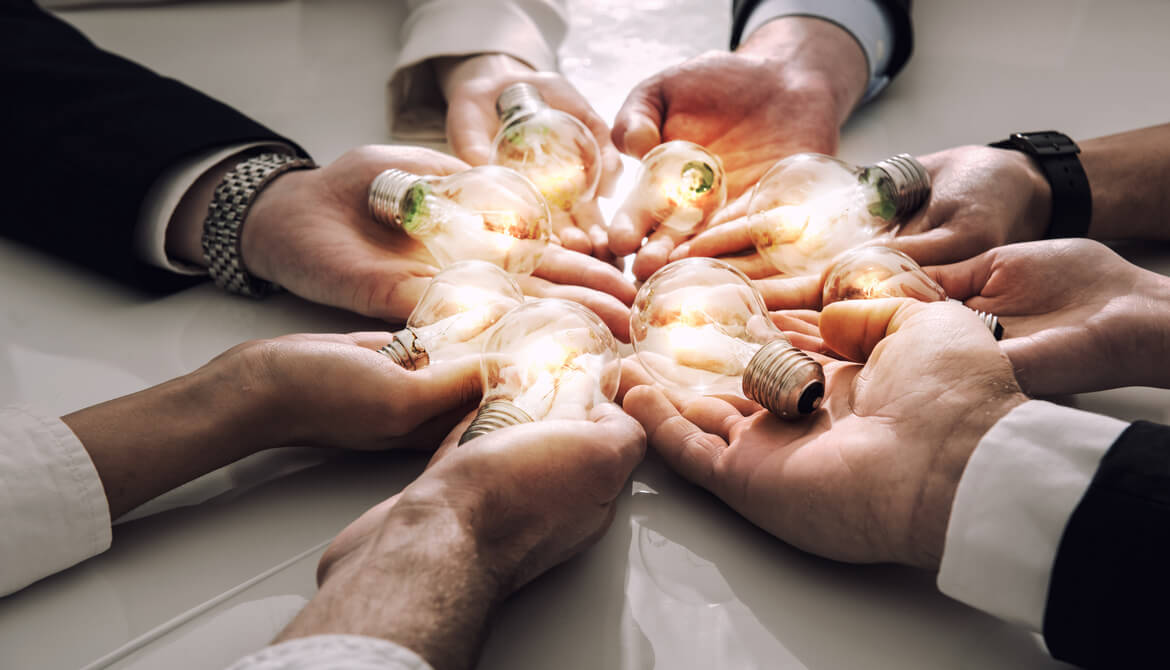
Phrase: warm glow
(547, 356)
(685, 338)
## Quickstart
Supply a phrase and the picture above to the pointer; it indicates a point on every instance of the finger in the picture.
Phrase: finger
(375, 339)
(790, 292)
(622, 431)
(470, 131)
(853, 328)
(791, 323)
(392, 297)
(569, 235)
(630, 225)
(655, 253)
(443, 386)
(810, 343)
(587, 217)
(712, 415)
(430, 434)
(636, 127)
(633, 374)
(718, 240)
(612, 311)
(611, 160)
(451, 442)
(753, 265)
(965, 279)
(563, 266)
(944, 244)
(685, 448)
(736, 209)
(416, 160)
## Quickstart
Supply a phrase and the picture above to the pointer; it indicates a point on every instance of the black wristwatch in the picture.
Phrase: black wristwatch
(1056, 154)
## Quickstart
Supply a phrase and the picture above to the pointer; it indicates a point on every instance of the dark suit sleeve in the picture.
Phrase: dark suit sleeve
(1109, 593)
(897, 10)
(86, 134)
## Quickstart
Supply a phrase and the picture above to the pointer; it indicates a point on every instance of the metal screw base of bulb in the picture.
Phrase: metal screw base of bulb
(784, 380)
(518, 98)
(911, 182)
(386, 194)
(494, 415)
(405, 350)
(990, 320)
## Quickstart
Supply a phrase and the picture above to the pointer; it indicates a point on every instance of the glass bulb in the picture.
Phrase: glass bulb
(681, 184)
(487, 213)
(808, 208)
(552, 148)
(547, 359)
(454, 315)
(874, 271)
(700, 324)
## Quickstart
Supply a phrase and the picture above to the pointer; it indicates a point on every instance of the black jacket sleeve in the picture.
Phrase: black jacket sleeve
(85, 135)
(897, 10)
(1109, 592)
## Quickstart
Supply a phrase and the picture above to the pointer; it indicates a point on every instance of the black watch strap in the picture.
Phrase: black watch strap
(1056, 154)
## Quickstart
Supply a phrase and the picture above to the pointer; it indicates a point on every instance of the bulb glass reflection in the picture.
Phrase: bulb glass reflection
(454, 314)
(552, 148)
(699, 324)
(681, 184)
(875, 271)
(487, 213)
(547, 359)
(808, 208)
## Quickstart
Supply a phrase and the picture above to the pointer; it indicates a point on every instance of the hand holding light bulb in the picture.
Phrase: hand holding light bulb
(547, 359)
(699, 325)
(454, 315)
(680, 185)
(874, 271)
(559, 155)
(487, 213)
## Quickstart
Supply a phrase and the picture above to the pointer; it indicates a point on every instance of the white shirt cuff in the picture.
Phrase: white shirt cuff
(528, 30)
(866, 20)
(340, 652)
(150, 234)
(1021, 485)
(53, 509)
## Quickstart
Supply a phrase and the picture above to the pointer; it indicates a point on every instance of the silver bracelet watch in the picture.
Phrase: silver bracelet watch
(225, 217)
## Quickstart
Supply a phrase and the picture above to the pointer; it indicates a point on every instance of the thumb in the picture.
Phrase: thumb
(635, 130)
(853, 328)
(445, 386)
(965, 279)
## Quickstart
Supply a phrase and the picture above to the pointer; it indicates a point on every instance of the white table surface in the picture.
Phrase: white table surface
(679, 581)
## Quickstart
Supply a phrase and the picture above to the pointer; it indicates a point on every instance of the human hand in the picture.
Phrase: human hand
(426, 567)
(871, 476)
(472, 84)
(787, 89)
(1077, 317)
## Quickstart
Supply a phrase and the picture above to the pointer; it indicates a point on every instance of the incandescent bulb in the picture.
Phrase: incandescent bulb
(552, 148)
(808, 208)
(875, 271)
(487, 213)
(454, 315)
(699, 324)
(681, 184)
(547, 359)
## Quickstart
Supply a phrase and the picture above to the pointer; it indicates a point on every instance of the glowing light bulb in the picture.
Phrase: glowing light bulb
(808, 208)
(681, 184)
(874, 271)
(454, 315)
(699, 324)
(487, 213)
(552, 148)
(547, 359)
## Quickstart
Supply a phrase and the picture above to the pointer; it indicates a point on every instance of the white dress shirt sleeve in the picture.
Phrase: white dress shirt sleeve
(53, 509)
(528, 30)
(866, 20)
(150, 234)
(333, 652)
(1021, 486)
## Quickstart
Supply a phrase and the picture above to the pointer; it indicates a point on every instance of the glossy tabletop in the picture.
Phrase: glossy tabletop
(211, 571)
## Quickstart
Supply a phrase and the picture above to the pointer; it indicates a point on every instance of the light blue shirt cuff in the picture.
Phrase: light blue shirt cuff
(866, 20)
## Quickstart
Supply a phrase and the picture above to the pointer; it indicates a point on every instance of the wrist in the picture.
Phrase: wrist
(260, 233)
(453, 71)
(1038, 212)
(813, 53)
(927, 528)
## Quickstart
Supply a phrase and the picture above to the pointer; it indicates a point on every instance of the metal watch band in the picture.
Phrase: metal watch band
(1072, 200)
(225, 217)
